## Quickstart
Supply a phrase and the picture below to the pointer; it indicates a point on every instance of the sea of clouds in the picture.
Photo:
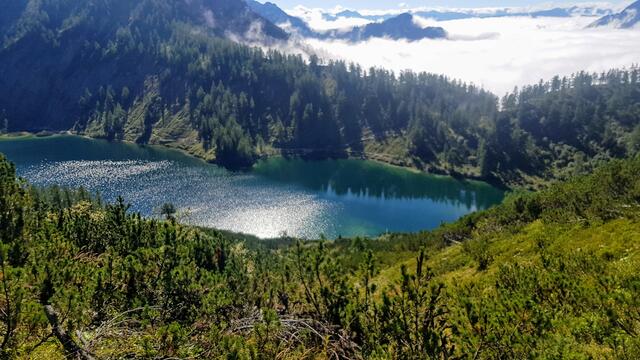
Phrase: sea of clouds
(495, 53)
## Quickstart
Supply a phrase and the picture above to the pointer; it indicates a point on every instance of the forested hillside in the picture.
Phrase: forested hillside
(151, 73)
(566, 126)
(177, 73)
(546, 275)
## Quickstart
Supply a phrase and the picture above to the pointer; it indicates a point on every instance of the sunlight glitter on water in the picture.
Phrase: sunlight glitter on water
(90, 173)
(222, 202)
(299, 215)
(303, 199)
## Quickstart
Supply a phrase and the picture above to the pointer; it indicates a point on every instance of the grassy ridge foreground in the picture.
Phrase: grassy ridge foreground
(545, 275)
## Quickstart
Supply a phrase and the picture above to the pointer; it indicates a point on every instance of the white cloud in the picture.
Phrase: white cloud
(583, 8)
(500, 53)
(424, 22)
(314, 18)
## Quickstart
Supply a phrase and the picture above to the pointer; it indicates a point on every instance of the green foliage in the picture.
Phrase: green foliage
(543, 275)
(413, 318)
(478, 249)
(233, 147)
(168, 210)
(633, 144)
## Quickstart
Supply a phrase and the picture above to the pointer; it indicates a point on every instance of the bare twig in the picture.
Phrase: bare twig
(292, 329)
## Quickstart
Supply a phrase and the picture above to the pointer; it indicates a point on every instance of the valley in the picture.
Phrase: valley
(207, 179)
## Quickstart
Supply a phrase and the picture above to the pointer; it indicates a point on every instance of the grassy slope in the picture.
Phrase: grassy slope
(576, 263)
(616, 242)
(553, 274)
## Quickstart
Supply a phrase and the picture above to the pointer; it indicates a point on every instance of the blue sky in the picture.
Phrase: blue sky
(386, 4)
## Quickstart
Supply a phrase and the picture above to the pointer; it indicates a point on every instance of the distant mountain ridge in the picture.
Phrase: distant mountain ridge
(447, 15)
(401, 27)
(627, 18)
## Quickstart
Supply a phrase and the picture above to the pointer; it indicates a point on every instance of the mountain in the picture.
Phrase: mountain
(166, 72)
(401, 27)
(558, 12)
(627, 18)
(443, 15)
(394, 27)
(71, 46)
(447, 15)
(586, 10)
(569, 12)
(221, 18)
(274, 14)
(352, 14)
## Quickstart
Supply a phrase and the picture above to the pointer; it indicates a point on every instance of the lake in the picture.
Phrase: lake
(302, 198)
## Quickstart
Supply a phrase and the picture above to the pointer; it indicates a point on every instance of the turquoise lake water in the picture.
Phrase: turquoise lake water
(301, 198)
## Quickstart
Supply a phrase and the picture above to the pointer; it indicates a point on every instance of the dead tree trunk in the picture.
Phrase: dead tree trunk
(71, 349)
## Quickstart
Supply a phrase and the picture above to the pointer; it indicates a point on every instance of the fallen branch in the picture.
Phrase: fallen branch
(337, 343)
(71, 349)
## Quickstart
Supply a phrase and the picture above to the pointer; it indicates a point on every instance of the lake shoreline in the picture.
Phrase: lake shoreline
(287, 153)
(306, 199)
